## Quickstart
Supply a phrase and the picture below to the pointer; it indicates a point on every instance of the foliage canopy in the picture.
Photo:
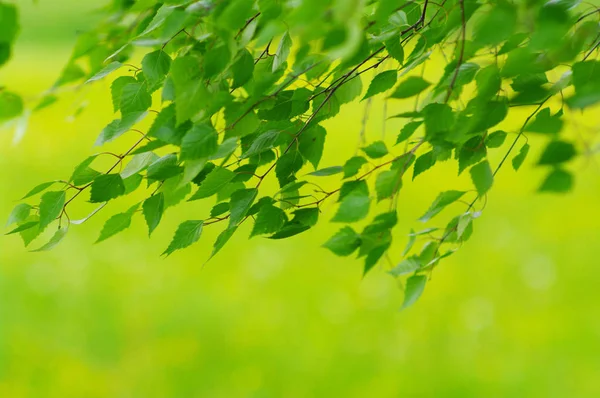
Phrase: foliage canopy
(237, 92)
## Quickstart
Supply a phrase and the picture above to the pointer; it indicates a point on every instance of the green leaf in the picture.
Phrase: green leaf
(107, 187)
(240, 203)
(412, 86)
(557, 152)
(107, 70)
(545, 123)
(11, 105)
(269, 220)
(116, 224)
(84, 174)
(24, 227)
(219, 209)
(139, 163)
(388, 183)
(311, 145)
(376, 150)
(413, 290)
(407, 266)
(216, 180)
(38, 189)
(497, 26)
(395, 49)
(51, 207)
(287, 166)
(222, 239)
(262, 143)
(216, 60)
(200, 142)
(164, 168)
(438, 118)
(407, 131)
(520, 158)
(495, 139)
(9, 23)
(116, 89)
(354, 204)
(557, 181)
(187, 234)
(482, 177)
(382, 82)
(135, 99)
(283, 51)
(118, 127)
(132, 183)
(353, 166)
(192, 95)
(327, 171)
(153, 209)
(19, 214)
(344, 242)
(424, 163)
(155, 66)
(242, 69)
(58, 236)
(444, 199)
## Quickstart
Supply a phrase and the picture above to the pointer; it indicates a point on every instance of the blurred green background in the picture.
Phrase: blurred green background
(515, 313)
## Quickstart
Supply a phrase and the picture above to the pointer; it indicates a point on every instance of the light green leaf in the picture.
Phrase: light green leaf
(19, 214)
(444, 199)
(353, 166)
(135, 99)
(38, 189)
(139, 163)
(11, 105)
(395, 49)
(51, 207)
(222, 239)
(388, 183)
(545, 123)
(54, 241)
(283, 51)
(327, 171)
(354, 206)
(413, 290)
(108, 69)
(495, 139)
(407, 266)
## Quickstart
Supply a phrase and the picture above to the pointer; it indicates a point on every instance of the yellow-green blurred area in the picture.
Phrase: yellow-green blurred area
(514, 313)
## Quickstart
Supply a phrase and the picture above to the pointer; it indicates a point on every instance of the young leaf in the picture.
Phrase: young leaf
(107, 187)
(110, 68)
(54, 241)
(153, 209)
(376, 150)
(557, 181)
(38, 189)
(222, 239)
(51, 207)
(482, 177)
(382, 82)
(413, 290)
(353, 166)
(388, 183)
(410, 87)
(187, 234)
(116, 224)
(344, 242)
(444, 199)
(135, 99)
(520, 158)
(19, 214)
(557, 152)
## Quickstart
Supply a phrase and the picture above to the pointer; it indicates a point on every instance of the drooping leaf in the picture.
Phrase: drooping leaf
(187, 234)
(376, 150)
(444, 199)
(382, 82)
(58, 236)
(410, 87)
(153, 209)
(107, 187)
(269, 220)
(216, 180)
(155, 66)
(344, 242)
(518, 160)
(557, 181)
(557, 152)
(117, 223)
(415, 285)
(240, 203)
(51, 207)
(482, 177)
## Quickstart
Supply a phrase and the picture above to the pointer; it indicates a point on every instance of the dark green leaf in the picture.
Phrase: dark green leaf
(327, 171)
(51, 207)
(216, 180)
(557, 181)
(495, 139)
(200, 142)
(557, 152)
(38, 189)
(240, 203)
(412, 86)
(520, 158)
(545, 123)
(344, 242)
(269, 220)
(424, 163)
(376, 150)
(382, 82)
(353, 166)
